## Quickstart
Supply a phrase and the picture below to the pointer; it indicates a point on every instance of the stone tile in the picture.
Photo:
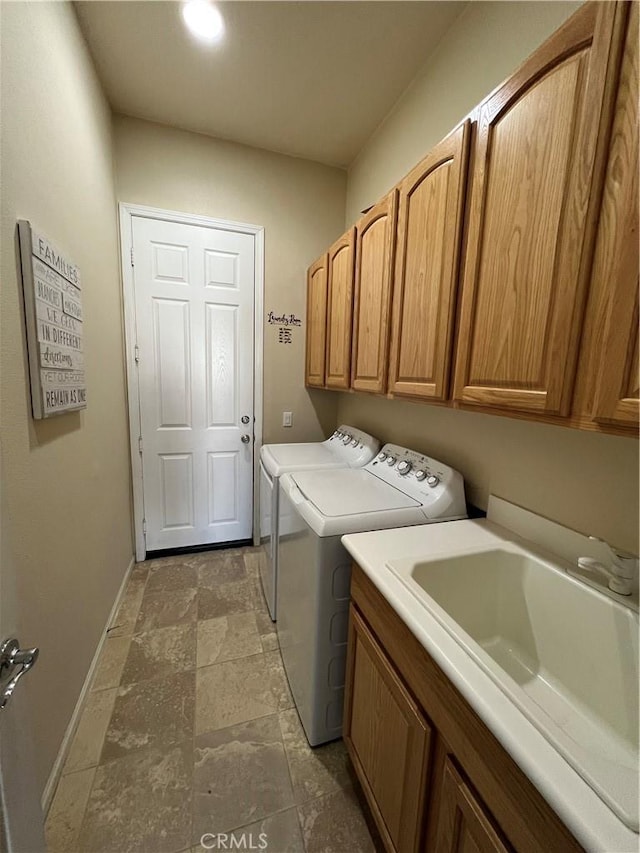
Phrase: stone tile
(225, 599)
(139, 572)
(89, 737)
(112, 658)
(240, 690)
(151, 713)
(314, 772)
(278, 833)
(240, 776)
(161, 652)
(220, 567)
(253, 558)
(125, 619)
(141, 803)
(335, 823)
(65, 816)
(160, 609)
(269, 642)
(267, 631)
(227, 638)
(258, 596)
(172, 577)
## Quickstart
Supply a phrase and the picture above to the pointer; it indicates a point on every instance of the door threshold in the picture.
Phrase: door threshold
(198, 549)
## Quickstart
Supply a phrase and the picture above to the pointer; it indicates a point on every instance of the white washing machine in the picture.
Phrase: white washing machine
(398, 488)
(346, 448)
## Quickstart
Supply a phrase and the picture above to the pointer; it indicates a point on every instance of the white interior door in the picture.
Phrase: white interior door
(194, 304)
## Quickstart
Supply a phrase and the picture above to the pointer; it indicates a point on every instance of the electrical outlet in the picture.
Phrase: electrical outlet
(287, 419)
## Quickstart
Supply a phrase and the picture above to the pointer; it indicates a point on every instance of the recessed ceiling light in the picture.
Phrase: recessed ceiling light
(203, 20)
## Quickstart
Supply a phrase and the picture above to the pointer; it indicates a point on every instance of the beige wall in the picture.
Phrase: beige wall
(65, 481)
(584, 480)
(485, 44)
(299, 203)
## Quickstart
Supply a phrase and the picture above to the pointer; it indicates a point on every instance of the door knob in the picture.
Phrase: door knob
(11, 655)
(245, 419)
(245, 439)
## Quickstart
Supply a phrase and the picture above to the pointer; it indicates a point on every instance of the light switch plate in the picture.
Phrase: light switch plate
(287, 419)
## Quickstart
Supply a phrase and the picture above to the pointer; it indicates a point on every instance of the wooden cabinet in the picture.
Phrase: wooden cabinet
(463, 824)
(532, 205)
(400, 710)
(615, 268)
(534, 197)
(339, 311)
(316, 322)
(375, 252)
(387, 738)
(431, 209)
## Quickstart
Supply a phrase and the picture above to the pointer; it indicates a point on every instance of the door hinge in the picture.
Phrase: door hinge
(136, 353)
(132, 264)
(140, 445)
(144, 526)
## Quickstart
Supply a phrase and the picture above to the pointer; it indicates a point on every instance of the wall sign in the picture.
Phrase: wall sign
(53, 317)
(286, 324)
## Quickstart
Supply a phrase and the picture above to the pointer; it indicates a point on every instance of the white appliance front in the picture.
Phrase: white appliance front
(267, 488)
(397, 489)
(347, 447)
(313, 618)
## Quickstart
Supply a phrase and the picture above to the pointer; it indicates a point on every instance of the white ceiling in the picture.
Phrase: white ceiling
(312, 79)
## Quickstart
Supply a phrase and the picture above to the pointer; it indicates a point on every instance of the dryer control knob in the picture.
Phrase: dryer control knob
(420, 475)
(391, 461)
(354, 442)
(382, 457)
(433, 480)
(404, 467)
(346, 439)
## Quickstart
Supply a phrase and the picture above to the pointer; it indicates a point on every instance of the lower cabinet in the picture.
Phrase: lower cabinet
(463, 824)
(388, 739)
(435, 778)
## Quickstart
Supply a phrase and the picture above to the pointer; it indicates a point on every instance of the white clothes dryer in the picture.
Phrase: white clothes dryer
(398, 488)
(348, 447)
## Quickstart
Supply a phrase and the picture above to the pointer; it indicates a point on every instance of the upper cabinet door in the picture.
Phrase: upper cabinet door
(431, 208)
(340, 307)
(375, 243)
(616, 259)
(316, 322)
(537, 173)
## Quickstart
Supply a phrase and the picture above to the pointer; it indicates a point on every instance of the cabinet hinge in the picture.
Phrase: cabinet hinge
(136, 353)
(144, 526)
(140, 445)
(132, 264)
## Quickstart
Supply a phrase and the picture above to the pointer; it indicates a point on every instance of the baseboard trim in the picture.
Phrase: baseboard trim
(58, 764)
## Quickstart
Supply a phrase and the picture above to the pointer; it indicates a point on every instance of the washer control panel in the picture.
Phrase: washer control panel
(427, 480)
(353, 446)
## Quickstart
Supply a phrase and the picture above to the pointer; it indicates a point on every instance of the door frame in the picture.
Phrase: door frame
(126, 213)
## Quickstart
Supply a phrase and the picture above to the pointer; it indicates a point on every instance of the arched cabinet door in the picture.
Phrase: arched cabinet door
(316, 322)
(340, 311)
(617, 397)
(375, 245)
(431, 209)
(535, 190)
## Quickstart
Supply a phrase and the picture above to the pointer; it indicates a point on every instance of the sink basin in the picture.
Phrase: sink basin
(565, 654)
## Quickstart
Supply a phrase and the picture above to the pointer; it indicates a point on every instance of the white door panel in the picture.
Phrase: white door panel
(194, 297)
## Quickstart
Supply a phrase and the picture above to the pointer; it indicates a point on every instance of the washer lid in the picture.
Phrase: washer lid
(278, 459)
(350, 491)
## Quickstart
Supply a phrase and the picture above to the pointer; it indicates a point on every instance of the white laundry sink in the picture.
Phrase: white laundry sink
(565, 654)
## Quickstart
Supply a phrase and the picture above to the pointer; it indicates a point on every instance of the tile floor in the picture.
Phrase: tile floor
(189, 729)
